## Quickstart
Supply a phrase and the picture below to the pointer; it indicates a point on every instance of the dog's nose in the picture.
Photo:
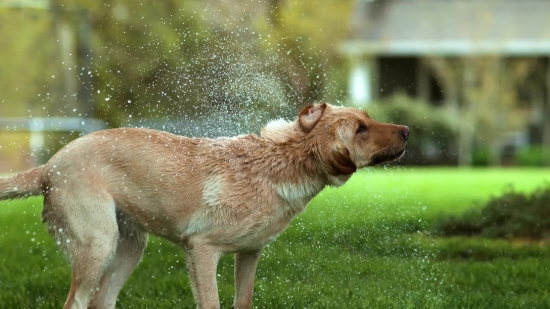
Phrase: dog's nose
(405, 132)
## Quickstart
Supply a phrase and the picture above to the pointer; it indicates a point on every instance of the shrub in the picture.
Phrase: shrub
(433, 129)
(511, 214)
(480, 157)
(532, 156)
(467, 224)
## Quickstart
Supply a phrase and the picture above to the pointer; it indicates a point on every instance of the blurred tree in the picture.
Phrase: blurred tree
(231, 63)
(178, 58)
(30, 82)
(120, 60)
(306, 34)
(482, 91)
(129, 58)
(27, 72)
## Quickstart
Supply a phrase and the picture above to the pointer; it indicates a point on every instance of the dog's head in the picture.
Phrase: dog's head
(349, 138)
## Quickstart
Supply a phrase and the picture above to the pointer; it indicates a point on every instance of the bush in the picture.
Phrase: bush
(512, 214)
(532, 156)
(433, 129)
(480, 157)
(467, 224)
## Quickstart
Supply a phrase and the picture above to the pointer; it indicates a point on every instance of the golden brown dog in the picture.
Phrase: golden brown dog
(104, 192)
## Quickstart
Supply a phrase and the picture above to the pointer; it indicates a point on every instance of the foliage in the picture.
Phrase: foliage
(356, 245)
(175, 59)
(481, 156)
(183, 65)
(509, 215)
(29, 78)
(306, 35)
(532, 156)
(433, 129)
(483, 94)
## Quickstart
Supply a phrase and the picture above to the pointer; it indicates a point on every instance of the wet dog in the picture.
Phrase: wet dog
(104, 192)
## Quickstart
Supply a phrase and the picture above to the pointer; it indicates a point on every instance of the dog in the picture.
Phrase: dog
(106, 191)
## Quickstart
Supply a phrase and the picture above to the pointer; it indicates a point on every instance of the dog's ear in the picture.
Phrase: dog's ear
(310, 116)
(340, 162)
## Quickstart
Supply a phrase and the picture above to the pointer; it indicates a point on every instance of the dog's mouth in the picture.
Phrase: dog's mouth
(386, 157)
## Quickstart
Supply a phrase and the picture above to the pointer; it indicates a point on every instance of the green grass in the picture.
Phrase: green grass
(359, 246)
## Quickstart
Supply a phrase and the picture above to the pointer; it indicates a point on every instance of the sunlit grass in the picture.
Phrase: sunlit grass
(354, 247)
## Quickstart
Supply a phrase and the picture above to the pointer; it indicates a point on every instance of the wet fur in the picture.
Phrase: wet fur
(104, 192)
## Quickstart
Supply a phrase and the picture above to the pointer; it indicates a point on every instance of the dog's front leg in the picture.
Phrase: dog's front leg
(202, 261)
(245, 270)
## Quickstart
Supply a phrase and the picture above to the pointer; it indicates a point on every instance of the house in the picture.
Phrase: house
(448, 52)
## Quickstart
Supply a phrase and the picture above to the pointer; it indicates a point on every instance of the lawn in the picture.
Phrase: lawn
(359, 246)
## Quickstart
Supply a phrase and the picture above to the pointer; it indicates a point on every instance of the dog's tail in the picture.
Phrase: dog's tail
(22, 185)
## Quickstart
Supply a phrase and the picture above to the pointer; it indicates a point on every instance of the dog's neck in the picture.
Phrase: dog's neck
(297, 173)
(300, 149)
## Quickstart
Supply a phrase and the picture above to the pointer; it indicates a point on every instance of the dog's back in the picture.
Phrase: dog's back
(223, 186)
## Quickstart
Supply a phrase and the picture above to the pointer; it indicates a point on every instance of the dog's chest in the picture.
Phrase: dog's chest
(291, 199)
(250, 219)
(246, 201)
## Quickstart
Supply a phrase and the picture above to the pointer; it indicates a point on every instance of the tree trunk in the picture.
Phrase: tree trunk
(465, 144)
(495, 153)
(546, 118)
(495, 146)
(468, 114)
(449, 81)
(423, 86)
(84, 55)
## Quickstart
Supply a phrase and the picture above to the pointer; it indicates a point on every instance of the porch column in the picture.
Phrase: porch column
(362, 80)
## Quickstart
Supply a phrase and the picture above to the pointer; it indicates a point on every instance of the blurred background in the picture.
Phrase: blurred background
(471, 78)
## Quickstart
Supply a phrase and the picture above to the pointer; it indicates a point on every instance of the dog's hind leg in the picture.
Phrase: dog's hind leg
(131, 244)
(84, 224)
(88, 266)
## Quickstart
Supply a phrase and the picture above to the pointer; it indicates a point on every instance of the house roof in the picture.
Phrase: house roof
(450, 27)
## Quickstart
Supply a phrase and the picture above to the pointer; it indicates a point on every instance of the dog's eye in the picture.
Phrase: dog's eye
(361, 129)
